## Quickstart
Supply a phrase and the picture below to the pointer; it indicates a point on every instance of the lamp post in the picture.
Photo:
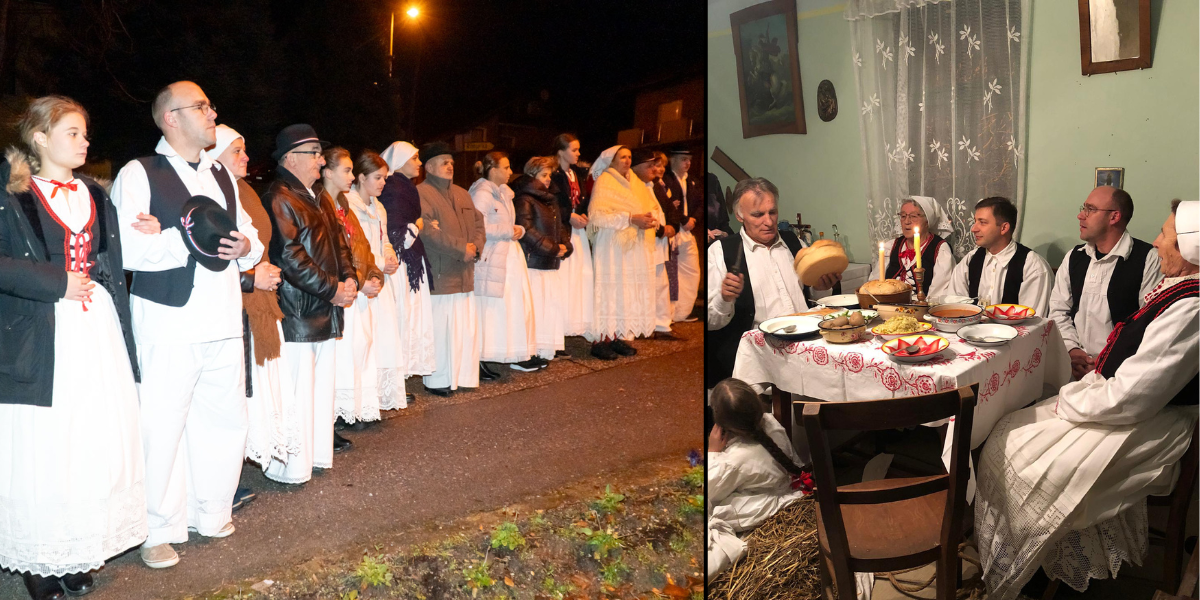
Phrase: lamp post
(413, 12)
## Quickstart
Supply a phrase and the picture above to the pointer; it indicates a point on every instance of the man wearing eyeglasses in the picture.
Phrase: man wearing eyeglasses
(187, 322)
(1103, 280)
(1000, 270)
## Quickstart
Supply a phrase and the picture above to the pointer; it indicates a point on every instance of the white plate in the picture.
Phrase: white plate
(805, 326)
(842, 300)
(987, 330)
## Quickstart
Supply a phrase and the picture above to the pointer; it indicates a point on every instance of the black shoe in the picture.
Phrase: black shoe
(666, 335)
(561, 354)
(242, 497)
(527, 366)
(603, 351)
(340, 444)
(443, 392)
(43, 588)
(620, 347)
(410, 398)
(541, 362)
(486, 374)
(77, 584)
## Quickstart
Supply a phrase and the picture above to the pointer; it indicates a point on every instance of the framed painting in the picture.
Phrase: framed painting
(1114, 35)
(768, 68)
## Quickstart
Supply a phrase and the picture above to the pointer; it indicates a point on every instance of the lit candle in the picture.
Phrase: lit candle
(917, 244)
(881, 261)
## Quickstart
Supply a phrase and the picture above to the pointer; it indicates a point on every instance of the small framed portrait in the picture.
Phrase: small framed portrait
(1110, 176)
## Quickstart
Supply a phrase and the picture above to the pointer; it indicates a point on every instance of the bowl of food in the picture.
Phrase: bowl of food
(1009, 314)
(916, 311)
(900, 326)
(885, 291)
(915, 348)
(842, 330)
(823, 257)
(949, 317)
(790, 327)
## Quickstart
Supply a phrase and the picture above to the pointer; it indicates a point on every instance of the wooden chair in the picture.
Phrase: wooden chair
(890, 524)
(1179, 500)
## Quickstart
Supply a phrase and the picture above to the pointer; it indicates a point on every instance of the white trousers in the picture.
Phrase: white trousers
(662, 298)
(312, 368)
(688, 258)
(456, 341)
(194, 423)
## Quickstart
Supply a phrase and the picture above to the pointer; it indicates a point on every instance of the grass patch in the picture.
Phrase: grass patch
(508, 536)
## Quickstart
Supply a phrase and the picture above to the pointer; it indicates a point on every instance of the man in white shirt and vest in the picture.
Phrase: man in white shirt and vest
(687, 191)
(1001, 271)
(1102, 281)
(750, 277)
(187, 321)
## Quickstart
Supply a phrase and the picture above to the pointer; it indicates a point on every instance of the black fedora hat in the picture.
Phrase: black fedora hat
(641, 155)
(680, 151)
(433, 149)
(204, 223)
(293, 136)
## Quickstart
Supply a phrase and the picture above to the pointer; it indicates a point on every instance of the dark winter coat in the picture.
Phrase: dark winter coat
(537, 211)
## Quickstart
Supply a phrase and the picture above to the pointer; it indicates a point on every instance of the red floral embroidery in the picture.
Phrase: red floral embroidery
(853, 362)
(1013, 369)
(891, 379)
(993, 384)
(924, 385)
(820, 355)
(1035, 360)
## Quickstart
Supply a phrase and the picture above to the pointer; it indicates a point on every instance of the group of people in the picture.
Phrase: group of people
(155, 335)
(1062, 484)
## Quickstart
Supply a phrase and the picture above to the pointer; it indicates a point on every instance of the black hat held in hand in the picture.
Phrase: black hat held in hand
(204, 223)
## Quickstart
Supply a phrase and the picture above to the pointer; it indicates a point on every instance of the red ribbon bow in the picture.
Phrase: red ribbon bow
(908, 254)
(58, 185)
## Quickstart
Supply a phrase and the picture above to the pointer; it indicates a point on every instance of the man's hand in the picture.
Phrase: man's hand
(731, 287)
(716, 234)
(371, 288)
(716, 439)
(147, 224)
(233, 249)
(690, 225)
(79, 287)
(518, 232)
(827, 280)
(344, 297)
(390, 263)
(562, 249)
(644, 221)
(578, 221)
(1081, 363)
(266, 276)
(420, 224)
(434, 224)
(669, 231)
(470, 257)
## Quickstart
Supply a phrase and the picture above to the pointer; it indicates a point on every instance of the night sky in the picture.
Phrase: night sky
(265, 64)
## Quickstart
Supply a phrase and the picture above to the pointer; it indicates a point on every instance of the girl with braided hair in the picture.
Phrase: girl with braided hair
(750, 464)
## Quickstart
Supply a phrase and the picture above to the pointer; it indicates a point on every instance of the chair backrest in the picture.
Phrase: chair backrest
(890, 413)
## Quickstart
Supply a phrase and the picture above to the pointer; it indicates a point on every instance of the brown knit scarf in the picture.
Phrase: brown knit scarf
(262, 306)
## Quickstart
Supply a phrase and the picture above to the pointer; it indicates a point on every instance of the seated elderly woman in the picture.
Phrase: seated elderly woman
(1063, 484)
(937, 259)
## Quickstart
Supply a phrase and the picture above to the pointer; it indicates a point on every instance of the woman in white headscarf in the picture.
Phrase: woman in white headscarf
(937, 258)
(622, 224)
(414, 310)
(1062, 485)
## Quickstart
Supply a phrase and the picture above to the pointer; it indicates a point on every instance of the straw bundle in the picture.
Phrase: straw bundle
(781, 562)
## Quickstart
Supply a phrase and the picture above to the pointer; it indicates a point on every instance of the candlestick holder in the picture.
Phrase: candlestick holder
(919, 276)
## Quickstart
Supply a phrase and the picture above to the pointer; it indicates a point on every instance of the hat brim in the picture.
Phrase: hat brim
(224, 221)
(278, 154)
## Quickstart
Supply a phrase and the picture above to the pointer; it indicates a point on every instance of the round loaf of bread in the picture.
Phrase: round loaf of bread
(820, 259)
(886, 286)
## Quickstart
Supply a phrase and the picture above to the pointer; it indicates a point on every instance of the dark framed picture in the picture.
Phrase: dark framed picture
(1114, 35)
(768, 68)
(1110, 176)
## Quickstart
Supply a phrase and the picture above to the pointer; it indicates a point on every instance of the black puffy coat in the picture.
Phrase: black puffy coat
(311, 251)
(537, 212)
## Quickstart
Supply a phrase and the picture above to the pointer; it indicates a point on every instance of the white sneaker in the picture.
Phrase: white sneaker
(160, 556)
(225, 531)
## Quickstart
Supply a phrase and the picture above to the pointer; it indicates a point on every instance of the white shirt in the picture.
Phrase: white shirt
(943, 267)
(777, 289)
(214, 310)
(72, 208)
(1092, 324)
(1035, 285)
(682, 186)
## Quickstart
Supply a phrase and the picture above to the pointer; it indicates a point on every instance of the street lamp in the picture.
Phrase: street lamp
(412, 12)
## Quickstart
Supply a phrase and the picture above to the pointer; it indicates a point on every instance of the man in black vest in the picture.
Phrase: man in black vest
(1102, 281)
(687, 194)
(187, 321)
(318, 281)
(1001, 271)
(750, 277)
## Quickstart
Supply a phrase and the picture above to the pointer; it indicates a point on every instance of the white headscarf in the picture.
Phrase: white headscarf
(225, 136)
(604, 160)
(1187, 229)
(939, 221)
(397, 154)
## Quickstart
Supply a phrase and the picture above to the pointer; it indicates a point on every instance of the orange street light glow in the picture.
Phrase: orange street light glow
(413, 12)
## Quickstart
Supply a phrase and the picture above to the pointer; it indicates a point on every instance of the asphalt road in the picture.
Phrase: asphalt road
(524, 436)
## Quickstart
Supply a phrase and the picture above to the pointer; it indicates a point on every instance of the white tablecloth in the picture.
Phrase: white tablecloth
(1009, 376)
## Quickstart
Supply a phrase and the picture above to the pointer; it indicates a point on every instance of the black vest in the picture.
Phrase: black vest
(1126, 337)
(928, 257)
(1012, 279)
(168, 194)
(1123, 288)
(721, 345)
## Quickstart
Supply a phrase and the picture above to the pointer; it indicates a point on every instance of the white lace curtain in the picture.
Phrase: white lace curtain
(941, 98)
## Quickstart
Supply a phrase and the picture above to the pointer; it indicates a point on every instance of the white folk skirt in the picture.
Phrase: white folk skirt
(89, 438)
(356, 397)
(578, 281)
(414, 313)
(456, 346)
(624, 289)
(274, 421)
(550, 309)
(506, 324)
(389, 355)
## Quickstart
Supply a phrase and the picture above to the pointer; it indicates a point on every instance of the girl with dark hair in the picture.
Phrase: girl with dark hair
(751, 462)
(547, 242)
(71, 465)
(567, 183)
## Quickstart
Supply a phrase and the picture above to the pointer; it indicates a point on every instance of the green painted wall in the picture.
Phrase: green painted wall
(1145, 121)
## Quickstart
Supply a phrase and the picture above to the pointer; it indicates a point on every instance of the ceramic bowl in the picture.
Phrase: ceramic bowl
(916, 311)
(951, 324)
(870, 300)
(922, 328)
(790, 327)
(987, 334)
(929, 347)
(842, 335)
(1009, 314)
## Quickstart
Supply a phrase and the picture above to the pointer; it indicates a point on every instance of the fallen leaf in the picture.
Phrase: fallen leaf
(508, 581)
(673, 591)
